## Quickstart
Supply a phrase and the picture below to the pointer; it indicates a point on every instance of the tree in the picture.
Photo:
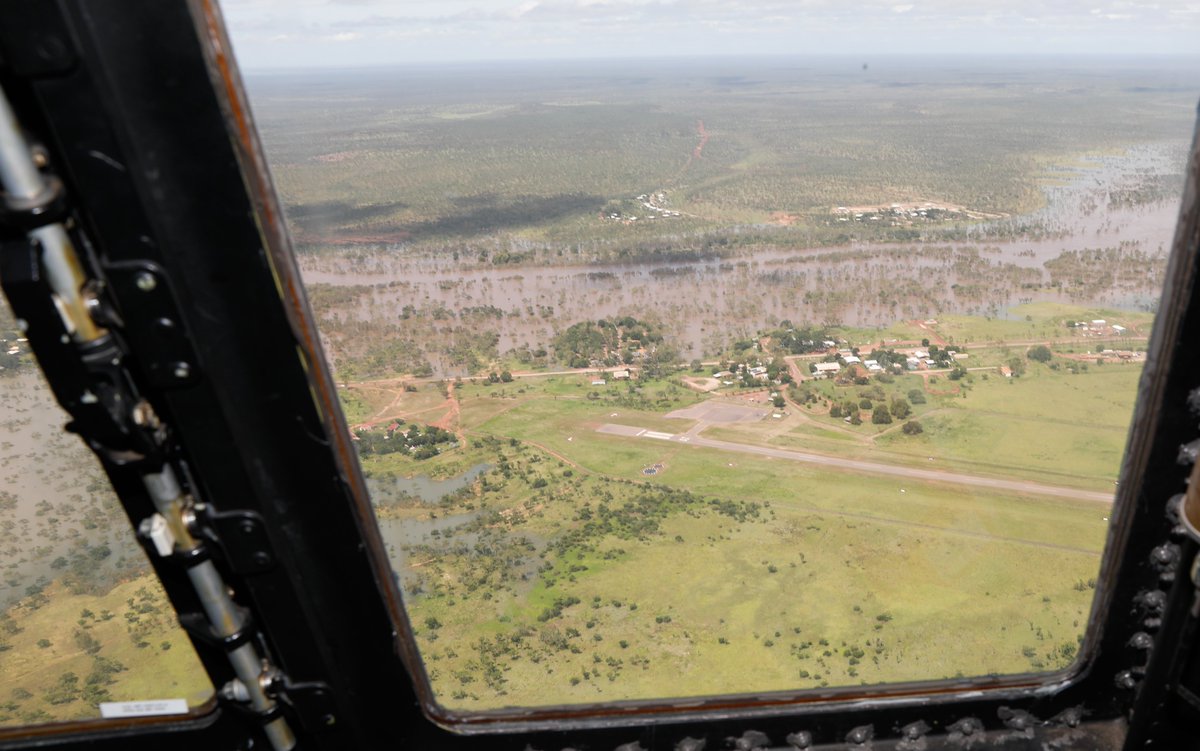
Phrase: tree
(912, 427)
(881, 415)
(1017, 366)
(779, 402)
(916, 396)
(506, 377)
(1040, 353)
(900, 408)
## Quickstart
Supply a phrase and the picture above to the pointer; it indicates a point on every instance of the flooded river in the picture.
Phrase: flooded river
(705, 303)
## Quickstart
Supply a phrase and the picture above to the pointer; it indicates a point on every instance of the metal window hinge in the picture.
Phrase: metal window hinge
(239, 536)
(309, 704)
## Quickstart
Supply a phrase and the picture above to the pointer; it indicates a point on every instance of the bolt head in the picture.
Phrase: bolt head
(146, 282)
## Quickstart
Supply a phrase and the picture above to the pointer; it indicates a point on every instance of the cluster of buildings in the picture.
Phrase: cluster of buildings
(917, 359)
(617, 374)
(1097, 327)
(651, 204)
(743, 373)
(897, 213)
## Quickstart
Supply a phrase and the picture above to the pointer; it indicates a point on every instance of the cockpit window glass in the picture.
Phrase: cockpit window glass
(86, 630)
(677, 375)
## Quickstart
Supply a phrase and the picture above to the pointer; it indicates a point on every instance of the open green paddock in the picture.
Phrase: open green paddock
(843, 577)
(809, 487)
(62, 656)
(1041, 321)
(1049, 425)
(716, 606)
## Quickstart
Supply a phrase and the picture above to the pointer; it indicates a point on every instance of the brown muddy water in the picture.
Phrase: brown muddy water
(706, 303)
(58, 505)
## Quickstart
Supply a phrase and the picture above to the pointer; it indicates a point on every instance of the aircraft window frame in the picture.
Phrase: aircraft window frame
(165, 102)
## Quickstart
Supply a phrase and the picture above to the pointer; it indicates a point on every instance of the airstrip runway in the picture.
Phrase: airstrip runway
(855, 465)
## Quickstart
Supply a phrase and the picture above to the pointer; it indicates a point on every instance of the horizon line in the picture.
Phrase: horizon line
(864, 58)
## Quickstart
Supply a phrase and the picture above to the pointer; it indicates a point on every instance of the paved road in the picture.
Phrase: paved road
(856, 465)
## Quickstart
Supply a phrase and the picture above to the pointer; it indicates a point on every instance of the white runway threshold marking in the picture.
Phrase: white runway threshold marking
(658, 435)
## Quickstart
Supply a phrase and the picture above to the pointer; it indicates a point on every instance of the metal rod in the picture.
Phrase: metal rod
(224, 615)
(20, 179)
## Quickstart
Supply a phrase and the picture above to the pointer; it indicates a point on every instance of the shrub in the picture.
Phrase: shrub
(1040, 353)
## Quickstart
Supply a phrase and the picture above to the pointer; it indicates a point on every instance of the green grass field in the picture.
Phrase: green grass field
(1035, 322)
(915, 581)
(928, 584)
(573, 577)
(1049, 425)
(64, 655)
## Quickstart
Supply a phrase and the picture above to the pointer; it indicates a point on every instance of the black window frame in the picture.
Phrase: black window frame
(141, 111)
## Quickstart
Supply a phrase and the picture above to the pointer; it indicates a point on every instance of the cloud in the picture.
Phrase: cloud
(524, 8)
(314, 32)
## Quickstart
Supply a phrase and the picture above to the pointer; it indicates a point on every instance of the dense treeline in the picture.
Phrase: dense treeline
(419, 442)
(798, 341)
(609, 341)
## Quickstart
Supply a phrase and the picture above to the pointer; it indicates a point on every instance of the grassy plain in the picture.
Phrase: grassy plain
(767, 574)
(64, 653)
(789, 600)
(1036, 322)
(1049, 425)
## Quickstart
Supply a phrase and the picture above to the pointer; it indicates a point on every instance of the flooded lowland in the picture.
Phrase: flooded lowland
(1100, 240)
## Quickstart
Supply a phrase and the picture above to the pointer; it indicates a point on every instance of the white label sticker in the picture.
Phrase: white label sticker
(143, 708)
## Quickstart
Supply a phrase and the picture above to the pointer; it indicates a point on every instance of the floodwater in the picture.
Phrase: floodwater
(400, 534)
(57, 498)
(703, 303)
(439, 533)
(391, 489)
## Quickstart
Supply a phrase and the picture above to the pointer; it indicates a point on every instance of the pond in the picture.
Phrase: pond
(393, 489)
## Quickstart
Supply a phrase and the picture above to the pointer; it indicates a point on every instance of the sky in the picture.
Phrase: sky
(345, 33)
